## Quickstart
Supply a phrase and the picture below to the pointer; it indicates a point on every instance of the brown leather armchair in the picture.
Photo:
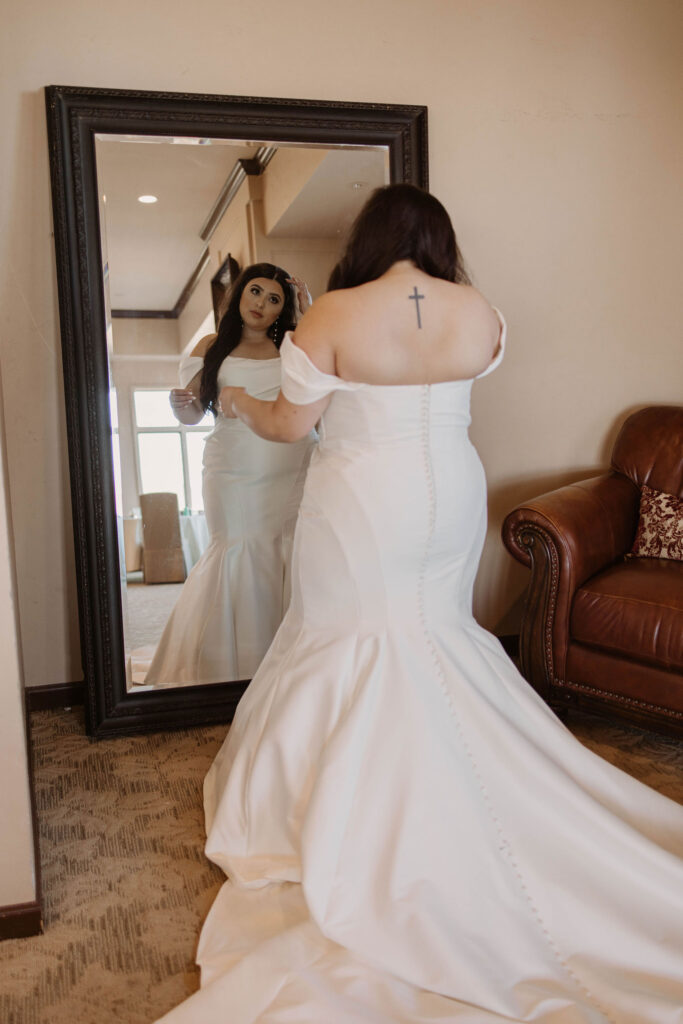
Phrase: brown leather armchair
(602, 632)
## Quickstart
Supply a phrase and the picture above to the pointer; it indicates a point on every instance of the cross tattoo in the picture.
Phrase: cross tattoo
(416, 297)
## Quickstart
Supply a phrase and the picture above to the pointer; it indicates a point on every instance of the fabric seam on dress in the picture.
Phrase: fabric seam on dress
(504, 846)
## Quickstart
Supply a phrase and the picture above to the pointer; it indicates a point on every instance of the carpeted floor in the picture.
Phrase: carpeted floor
(125, 882)
(126, 885)
(148, 608)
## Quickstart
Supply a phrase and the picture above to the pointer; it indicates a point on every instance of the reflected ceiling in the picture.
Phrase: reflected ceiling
(153, 249)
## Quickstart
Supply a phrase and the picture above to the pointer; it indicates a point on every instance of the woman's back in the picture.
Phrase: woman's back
(403, 328)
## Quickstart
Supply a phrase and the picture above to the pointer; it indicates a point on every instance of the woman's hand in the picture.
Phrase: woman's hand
(226, 400)
(302, 296)
(180, 398)
(186, 406)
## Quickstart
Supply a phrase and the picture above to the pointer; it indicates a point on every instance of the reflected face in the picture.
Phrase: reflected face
(261, 303)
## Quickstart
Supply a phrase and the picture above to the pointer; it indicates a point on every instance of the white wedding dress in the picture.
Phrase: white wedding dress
(410, 834)
(233, 600)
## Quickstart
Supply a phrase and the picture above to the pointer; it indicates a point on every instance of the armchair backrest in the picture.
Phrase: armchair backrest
(160, 525)
(162, 551)
(649, 448)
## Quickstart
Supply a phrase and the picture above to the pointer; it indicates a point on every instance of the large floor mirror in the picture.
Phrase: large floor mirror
(158, 201)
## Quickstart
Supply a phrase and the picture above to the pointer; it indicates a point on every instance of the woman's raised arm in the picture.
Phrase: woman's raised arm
(185, 402)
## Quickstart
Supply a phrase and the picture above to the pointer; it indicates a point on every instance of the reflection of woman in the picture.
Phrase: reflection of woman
(461, 857)
(233, 600)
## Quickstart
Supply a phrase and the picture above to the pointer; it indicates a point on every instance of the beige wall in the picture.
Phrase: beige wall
(283, 180)
(199, 306)
(150, 336)
(17, 878)
(231, 235)
(554, 143)
(311, 259)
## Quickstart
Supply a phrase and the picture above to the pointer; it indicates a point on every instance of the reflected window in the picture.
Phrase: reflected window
(169, 453)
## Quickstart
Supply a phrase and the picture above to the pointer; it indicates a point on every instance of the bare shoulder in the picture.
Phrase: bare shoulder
(339, 311)
(471, 301)
(477, 331)
(319, 329)
(203, 345)
(326, 309)
(476, 315)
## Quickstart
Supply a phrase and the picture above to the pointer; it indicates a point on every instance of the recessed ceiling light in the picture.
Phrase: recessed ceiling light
(147, 199)
(358, 185)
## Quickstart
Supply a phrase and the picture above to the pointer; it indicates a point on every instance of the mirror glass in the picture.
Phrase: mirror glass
(179, 216)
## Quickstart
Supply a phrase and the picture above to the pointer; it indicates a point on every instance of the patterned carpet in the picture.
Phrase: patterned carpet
(126, 885)
(125, 882)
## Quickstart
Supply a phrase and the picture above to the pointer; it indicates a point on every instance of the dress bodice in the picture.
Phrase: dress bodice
(232, 446)
(372, 413)
(260, 377)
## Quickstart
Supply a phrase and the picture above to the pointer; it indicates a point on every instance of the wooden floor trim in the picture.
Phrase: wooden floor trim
(20, 920)
(54, 695)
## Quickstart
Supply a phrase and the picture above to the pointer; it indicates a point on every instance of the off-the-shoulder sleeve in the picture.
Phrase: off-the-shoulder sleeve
(302, 382)
(500, 351)
(189, 367)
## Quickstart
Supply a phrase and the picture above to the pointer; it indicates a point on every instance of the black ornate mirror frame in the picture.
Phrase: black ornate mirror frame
(75, 115)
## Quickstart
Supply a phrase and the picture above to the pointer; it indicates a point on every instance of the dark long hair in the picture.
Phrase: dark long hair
(230, 327)
(399, 222)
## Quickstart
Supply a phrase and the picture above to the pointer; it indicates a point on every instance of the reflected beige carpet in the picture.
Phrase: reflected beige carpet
(125, 882)
(148, 606)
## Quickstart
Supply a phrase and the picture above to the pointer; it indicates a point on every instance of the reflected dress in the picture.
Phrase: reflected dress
(234, 598)
(409, 833)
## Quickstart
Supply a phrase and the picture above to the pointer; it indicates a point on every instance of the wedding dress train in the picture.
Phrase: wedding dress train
(409, 833)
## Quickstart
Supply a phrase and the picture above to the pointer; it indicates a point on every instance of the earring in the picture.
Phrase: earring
(275, 331)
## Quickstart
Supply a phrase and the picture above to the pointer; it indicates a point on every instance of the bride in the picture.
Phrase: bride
(233, 601)
(409, 833)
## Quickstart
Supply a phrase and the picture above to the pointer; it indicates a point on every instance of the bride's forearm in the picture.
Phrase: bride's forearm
(279, 420)
(259, 416)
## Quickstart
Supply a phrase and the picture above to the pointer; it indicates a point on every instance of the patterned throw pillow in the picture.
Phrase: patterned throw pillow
(660, 526)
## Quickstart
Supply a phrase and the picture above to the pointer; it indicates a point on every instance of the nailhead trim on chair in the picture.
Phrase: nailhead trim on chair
(527, 541)
(619, 698)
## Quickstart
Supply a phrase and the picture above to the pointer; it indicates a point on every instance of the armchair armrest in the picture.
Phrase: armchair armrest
(565, 537)
(591, 523)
